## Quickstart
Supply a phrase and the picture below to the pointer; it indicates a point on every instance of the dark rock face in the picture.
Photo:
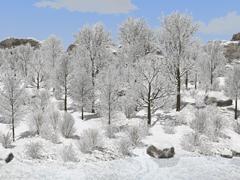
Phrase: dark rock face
(13, 42)
(158, 153)
(224, 103)
(210, 100)
(236, 37)
(9, 158)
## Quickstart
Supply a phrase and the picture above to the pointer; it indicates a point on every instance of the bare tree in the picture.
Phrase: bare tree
(152, 87)
(25, 55)
(81, 88)
(52, 52)
(176, 37)
(233, 86)
(64, 76)
(109, 88)
(11, 96)
(93, 42)
(216, 58)
(37, 73)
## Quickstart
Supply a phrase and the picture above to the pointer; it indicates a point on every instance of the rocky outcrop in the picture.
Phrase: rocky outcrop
(236, 37)
(158, 153)
(14, 42)
(225, 103)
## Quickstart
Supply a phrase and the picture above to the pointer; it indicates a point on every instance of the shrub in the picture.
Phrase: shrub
(110, 131)
(89, 140)
(68, 154)
(47, 132)
(169, 127)
(217, 124)
(54, 117)
(67, 127)
(237, 127)
(134, 135)
(34, 150)
(124, 147)
(36, 121)
(180, 119)
(6, 140)
(190, 141)
(199, 123)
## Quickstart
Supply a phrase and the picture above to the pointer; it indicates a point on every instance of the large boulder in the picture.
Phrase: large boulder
(158, 153)
(225, 103)
(9, 158)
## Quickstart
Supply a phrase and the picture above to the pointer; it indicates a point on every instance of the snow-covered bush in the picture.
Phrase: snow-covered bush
(124, 147)
(236, 127)
(90, 140)
(195, 142)
(47, 132)
(208, 121)
(68, 154)
(34, 150)
(134, 135)
(36, 121)
(54, 117)
(190, 141)
(217, 124)
(180, 119)
(111, 130)
(169, 127)
(67, 127)
(199, 123)
(6, 140)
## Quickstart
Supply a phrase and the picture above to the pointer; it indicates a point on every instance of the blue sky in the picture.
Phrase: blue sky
(219, 19)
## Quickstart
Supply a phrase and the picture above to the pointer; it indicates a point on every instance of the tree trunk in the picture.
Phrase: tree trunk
(186, 81)
(196, 81)
(178, 104)
(236, 109)
(82, 113)
(109, 108)
(13, 126)
(65, 97)
(211, 77)
(149, 105)
(149, 114)
(93, 84)
(38, 82)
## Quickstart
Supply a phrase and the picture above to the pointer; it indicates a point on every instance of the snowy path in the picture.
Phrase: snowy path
(136, 168)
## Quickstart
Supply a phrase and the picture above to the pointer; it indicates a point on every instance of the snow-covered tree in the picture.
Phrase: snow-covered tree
(64, 76)
(93, 42)
(233, 86)
(176, 38)
(152, 86)
(11, 96)
(81, 88)
(38, 75)
(109, 87)
(52, 52)
(24, 54)
(216, 59)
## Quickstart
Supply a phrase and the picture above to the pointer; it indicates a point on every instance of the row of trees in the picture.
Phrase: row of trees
(144, 71)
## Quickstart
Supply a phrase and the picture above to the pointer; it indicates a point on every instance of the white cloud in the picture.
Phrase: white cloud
(97, 6)
(226, 25)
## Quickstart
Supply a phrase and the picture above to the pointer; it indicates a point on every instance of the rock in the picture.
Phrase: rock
(236, 37)
(229, 156)
(153, 151)
(9, 158)
(225, 103)
(14, 42)
(235, 153)
(210, 100)
(158, 153)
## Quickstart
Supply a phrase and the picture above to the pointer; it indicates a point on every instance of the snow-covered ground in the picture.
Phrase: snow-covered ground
(185, 165)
